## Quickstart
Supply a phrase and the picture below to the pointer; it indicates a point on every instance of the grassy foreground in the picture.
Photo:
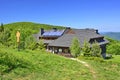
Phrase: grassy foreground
(39, 65)
(105, 69)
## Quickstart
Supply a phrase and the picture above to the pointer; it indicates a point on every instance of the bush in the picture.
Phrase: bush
(98, 59)
(86, 49)
(30, 43)
(96, 50)
(41, 45)
(3, 68)
(75, 47)
(9, 61)
(1, 27)
(114, 48)
(5, 37)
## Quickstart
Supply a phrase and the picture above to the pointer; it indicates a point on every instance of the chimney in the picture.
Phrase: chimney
(97, 31)
(42, 30)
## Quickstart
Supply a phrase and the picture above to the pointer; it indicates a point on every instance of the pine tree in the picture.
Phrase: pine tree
(75, 47)
(5, 37)
(86, 48)
(30, 43)
(96, 50)
(41, 45)
(1, 27)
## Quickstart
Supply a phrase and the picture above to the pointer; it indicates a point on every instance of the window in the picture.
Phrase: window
(66, 50)
(60, 50)
(56, 50)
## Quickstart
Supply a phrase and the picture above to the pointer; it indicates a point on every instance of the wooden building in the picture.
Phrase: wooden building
(59, 41)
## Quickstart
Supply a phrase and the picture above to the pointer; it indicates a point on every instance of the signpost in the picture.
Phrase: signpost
(18, 39)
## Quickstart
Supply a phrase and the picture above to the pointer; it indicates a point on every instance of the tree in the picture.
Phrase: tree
(1, 27)
(75, 47)
(96, 50)
(86, 48)
(30, 43)
(41, 45)
(114, 48)
(5, 37)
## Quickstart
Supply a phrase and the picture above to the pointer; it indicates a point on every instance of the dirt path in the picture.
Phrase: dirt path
(88, 66)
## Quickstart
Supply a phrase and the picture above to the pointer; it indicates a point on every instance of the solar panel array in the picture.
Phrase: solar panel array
(53, 33)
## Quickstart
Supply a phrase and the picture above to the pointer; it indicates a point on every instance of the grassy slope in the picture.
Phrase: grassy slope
(46, 66)
(106, 69)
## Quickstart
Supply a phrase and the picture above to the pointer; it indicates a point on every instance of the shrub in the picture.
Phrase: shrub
(96, 50)
(41, 45)
(1, 27)
(86, 49)
(9, 61)
(75, 47)
(30, 43)
(114, 48)
(5, 37)
(98, 59)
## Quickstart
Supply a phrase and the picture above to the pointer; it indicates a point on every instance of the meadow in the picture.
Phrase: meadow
(105, 69)
(39, 65)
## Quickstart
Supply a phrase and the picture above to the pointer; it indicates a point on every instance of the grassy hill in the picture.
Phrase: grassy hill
(39, 65)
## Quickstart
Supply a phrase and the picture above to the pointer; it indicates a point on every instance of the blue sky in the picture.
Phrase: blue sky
(99, 14)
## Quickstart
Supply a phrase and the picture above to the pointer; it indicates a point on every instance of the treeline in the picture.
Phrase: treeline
(27, 29)
(113, 47)
(87, 49)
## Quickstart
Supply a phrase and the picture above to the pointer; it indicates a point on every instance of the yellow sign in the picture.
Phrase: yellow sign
(18, 36)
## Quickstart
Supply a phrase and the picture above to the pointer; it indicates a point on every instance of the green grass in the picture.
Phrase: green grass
(106, 69)
(40, 65)
(115, 59)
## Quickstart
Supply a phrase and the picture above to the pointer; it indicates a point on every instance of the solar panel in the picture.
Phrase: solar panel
(53, 33)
